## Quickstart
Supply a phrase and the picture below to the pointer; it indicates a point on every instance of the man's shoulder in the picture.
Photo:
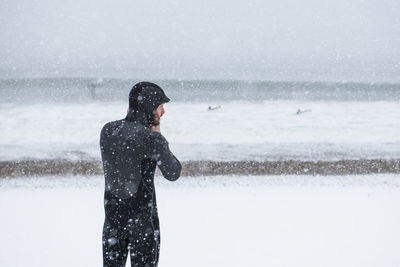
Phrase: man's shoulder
(156, 137)
(130, 126)
(111, 125)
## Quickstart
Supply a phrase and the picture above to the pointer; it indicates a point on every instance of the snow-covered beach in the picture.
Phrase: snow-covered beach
(212, 221)
(228, 220)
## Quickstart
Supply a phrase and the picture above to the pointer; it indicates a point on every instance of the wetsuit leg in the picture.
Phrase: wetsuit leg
(145, 246)
(115, 237)
(115, 247)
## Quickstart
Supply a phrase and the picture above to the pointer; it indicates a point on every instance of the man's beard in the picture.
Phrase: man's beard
(157, 120)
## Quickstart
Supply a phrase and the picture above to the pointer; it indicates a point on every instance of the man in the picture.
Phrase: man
(130, 149)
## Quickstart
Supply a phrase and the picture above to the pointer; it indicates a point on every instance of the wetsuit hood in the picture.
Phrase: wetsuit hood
(144, 99)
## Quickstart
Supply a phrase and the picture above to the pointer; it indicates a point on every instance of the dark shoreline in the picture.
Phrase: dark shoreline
(209, 168)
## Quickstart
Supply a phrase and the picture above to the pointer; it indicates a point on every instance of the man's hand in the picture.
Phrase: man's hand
(156, 128)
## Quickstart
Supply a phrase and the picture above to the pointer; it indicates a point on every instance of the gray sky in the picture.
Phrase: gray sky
(194, 39)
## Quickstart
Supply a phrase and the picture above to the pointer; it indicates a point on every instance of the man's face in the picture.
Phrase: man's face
(159, 113)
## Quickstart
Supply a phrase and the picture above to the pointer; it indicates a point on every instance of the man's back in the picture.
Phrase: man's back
(123, 148)
(131, 149)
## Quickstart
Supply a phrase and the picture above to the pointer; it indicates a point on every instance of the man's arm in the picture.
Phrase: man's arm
(169, 165)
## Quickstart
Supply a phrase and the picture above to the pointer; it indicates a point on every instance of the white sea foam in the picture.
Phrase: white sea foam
(237, 130)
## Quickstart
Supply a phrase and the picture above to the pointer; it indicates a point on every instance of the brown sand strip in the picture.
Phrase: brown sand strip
(197, 168)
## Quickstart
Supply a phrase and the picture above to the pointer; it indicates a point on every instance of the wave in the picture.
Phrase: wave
(102, 89)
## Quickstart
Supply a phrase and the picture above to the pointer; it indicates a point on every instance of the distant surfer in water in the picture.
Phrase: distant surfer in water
(92, 88)
(131, 149)
(299, 111)
(213, 108)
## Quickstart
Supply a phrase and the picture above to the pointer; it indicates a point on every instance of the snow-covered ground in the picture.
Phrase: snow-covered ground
(212, 221)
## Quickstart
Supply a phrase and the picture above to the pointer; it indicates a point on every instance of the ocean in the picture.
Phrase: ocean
(206, 120)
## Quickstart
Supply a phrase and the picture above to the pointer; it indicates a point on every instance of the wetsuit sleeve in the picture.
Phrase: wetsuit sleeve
(159, 151)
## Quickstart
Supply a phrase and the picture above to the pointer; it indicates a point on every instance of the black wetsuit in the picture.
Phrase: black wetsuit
(130, 153)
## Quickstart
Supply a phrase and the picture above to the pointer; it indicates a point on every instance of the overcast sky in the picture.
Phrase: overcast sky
(197, 39)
